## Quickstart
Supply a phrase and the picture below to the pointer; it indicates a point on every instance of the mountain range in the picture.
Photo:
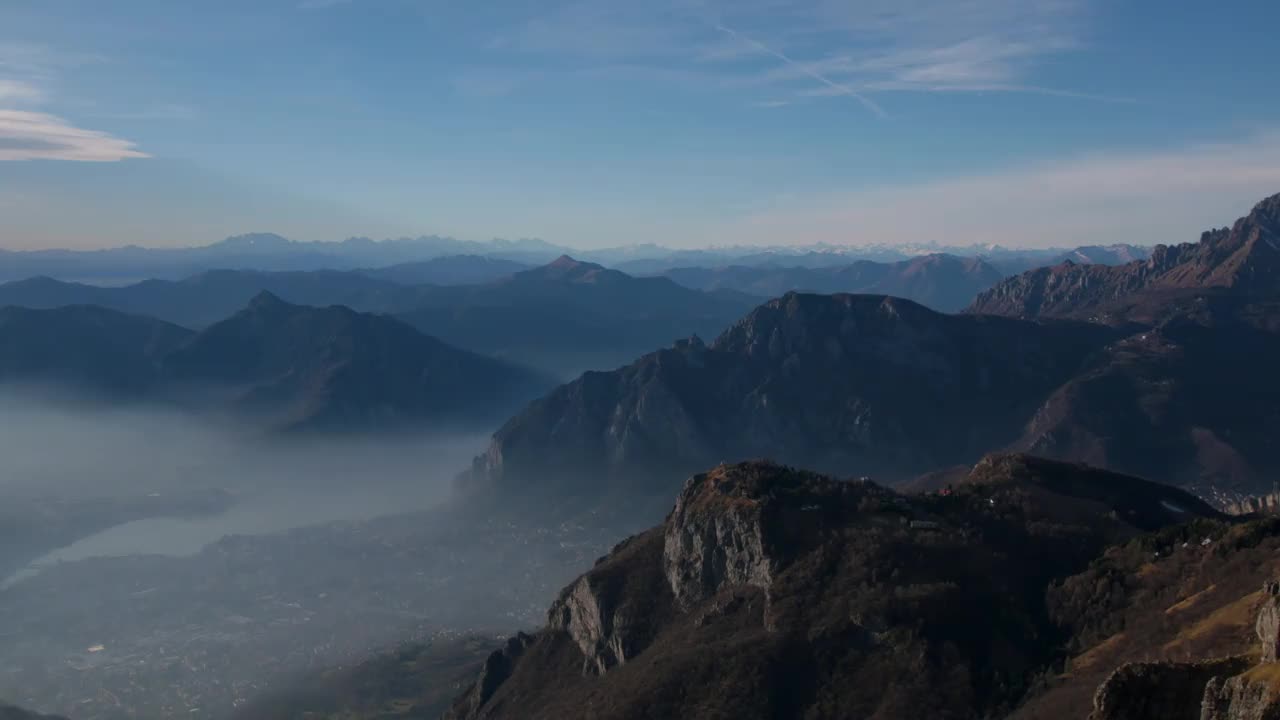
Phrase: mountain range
(562, 318)
(271, 252)
(874, 385)
(946, 283)
(840, 383)
(290, 366)
(1242, 260)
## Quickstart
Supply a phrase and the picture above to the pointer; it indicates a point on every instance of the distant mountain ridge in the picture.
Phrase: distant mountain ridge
(1242, 259)
(448, 270)
(85, 347)
(563, 317)
(288, 366)
(270, 252)
(946, 283)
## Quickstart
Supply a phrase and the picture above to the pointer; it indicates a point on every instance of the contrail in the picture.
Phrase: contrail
(840, 87)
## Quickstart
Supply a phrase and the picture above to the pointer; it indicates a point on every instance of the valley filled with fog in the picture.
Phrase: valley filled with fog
(157, 563)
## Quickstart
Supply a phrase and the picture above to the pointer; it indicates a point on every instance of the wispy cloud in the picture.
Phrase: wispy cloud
(836, 88)
(819, 48)
(321, 4)
(18, 92)
(28, 135)
(26, 71)
(1143, 197)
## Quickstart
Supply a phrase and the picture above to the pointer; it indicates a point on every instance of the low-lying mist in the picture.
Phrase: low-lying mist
(159, 564)
(137, 479)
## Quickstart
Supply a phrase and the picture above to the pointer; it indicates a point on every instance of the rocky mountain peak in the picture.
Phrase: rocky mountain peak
(565, 262)
(1244, 259)
(266, 301)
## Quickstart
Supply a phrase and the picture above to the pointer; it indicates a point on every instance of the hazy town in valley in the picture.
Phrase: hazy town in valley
(685, 359)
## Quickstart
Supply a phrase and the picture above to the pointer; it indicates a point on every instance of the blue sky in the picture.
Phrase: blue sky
(600, 122)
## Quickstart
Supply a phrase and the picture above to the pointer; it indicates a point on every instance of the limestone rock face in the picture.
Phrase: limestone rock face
(1268, 625)
(1251, 696)
(495, 671)
(1223, 689)
(611, 611)
(705, 549)
(597, 625)
(1160, 691)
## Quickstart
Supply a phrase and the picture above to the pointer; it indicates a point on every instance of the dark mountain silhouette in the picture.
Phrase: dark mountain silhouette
(943, 282)
(9, 712)
(1242, 260)
(449, 270)
(1192, 400)
(563, 317)
(569, 316)
(772, 592)
(204, 299)
(297, 366)
(336, 368)
(256, 251)
(842, 383)
(85, 347)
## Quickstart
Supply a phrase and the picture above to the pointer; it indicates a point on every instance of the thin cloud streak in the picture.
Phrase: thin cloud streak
(840, 88)
(853, 49)
(40, 136)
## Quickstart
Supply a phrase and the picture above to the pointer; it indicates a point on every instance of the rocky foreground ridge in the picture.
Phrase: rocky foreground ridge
(775, 592)
(1241, 687)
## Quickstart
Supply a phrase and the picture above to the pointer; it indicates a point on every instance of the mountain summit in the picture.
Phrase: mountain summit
(1242, 259)
(334, 367)
(841, 383)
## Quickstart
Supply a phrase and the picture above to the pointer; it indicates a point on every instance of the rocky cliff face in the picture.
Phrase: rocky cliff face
(1160, 691)
(1242, 259)
(1236, 688)
(773, 592)
(611, 612)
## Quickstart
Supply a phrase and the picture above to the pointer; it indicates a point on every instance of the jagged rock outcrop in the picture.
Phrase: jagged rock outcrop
(715, 537)
(1160, 691)
(1234, 688)
(1254, 695)
(1268, 626)
(495, 671)
(611, 611)
(772, 592)
(1242, 259)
